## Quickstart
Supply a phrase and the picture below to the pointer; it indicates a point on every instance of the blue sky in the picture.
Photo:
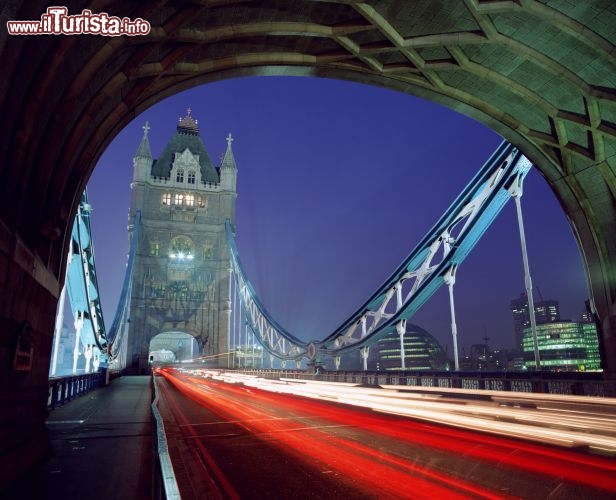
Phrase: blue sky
(337, 182)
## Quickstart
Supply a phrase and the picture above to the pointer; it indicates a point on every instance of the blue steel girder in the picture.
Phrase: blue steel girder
(82, 284)
(120, 324)
(417, 278)
(438, 254)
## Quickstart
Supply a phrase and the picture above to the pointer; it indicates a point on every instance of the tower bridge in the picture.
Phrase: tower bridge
(541, 74)
(181, 280)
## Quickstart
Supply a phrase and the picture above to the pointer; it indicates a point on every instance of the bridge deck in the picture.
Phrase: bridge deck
(100, 447)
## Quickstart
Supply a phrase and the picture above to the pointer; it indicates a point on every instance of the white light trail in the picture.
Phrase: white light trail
(551, 419)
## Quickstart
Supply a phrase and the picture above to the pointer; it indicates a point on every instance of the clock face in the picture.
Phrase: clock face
(181, 250)
(181, 246)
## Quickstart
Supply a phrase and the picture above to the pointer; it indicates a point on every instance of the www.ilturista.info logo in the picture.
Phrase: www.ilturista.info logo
(57, 22)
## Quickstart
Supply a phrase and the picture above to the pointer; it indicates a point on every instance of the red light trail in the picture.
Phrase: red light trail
(380, 455)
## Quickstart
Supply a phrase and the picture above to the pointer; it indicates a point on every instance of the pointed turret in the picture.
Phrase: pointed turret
(142, 161)
(228, 160)
(228, 168)
(144, 147)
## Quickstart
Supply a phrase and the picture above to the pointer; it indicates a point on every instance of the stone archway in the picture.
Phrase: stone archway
(183, 345)
(541, 77)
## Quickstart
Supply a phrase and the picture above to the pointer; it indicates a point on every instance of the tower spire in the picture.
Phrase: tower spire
(188, 124)
(228, 160)
(144, 147)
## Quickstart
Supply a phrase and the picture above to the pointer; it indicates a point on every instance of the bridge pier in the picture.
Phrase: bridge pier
(29, 294)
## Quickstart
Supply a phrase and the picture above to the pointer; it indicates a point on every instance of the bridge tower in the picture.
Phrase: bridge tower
(181, 281)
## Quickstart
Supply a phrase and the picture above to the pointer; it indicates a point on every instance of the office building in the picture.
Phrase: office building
(546, 311)
(563, 346)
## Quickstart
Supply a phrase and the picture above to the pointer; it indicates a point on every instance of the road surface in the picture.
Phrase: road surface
(230, 440)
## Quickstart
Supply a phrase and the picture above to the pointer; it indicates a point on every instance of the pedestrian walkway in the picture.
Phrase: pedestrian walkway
(100, 447)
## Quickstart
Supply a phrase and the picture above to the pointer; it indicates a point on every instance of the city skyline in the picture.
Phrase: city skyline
(337, 182)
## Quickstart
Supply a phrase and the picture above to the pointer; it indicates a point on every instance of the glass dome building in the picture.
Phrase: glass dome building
(421, 351)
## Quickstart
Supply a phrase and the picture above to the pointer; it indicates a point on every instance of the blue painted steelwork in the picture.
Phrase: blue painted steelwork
(413, 282)
(82, 285)
(119, 328)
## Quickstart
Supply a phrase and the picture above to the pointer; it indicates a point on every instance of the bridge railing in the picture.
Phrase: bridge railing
(65, 389)
(563, 383)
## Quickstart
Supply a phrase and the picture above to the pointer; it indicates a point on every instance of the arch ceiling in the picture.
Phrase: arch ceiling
(541, 73)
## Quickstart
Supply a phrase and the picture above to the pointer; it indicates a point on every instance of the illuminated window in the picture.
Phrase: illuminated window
(191, 177)
(179, 199)
(179, 177)
(181, 249)
(190, 200)
(155, 249)
(167, 199)
(201, 201)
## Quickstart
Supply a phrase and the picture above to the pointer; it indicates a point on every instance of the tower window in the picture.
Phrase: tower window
(179, 199)
(190, 200)
(166, 199)
(155, 249)
(191, 177)
(158, 290)
(179, 177)
(181, 249)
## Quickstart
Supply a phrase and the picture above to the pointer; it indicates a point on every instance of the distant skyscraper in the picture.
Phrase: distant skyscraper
(546, 311)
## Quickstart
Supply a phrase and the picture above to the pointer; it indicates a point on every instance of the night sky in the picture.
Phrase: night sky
(337, 182)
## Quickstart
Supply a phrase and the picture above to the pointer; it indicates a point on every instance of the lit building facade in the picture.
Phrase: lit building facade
(546, 311)
(563, 346)
(181, 280)
(421, 351)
